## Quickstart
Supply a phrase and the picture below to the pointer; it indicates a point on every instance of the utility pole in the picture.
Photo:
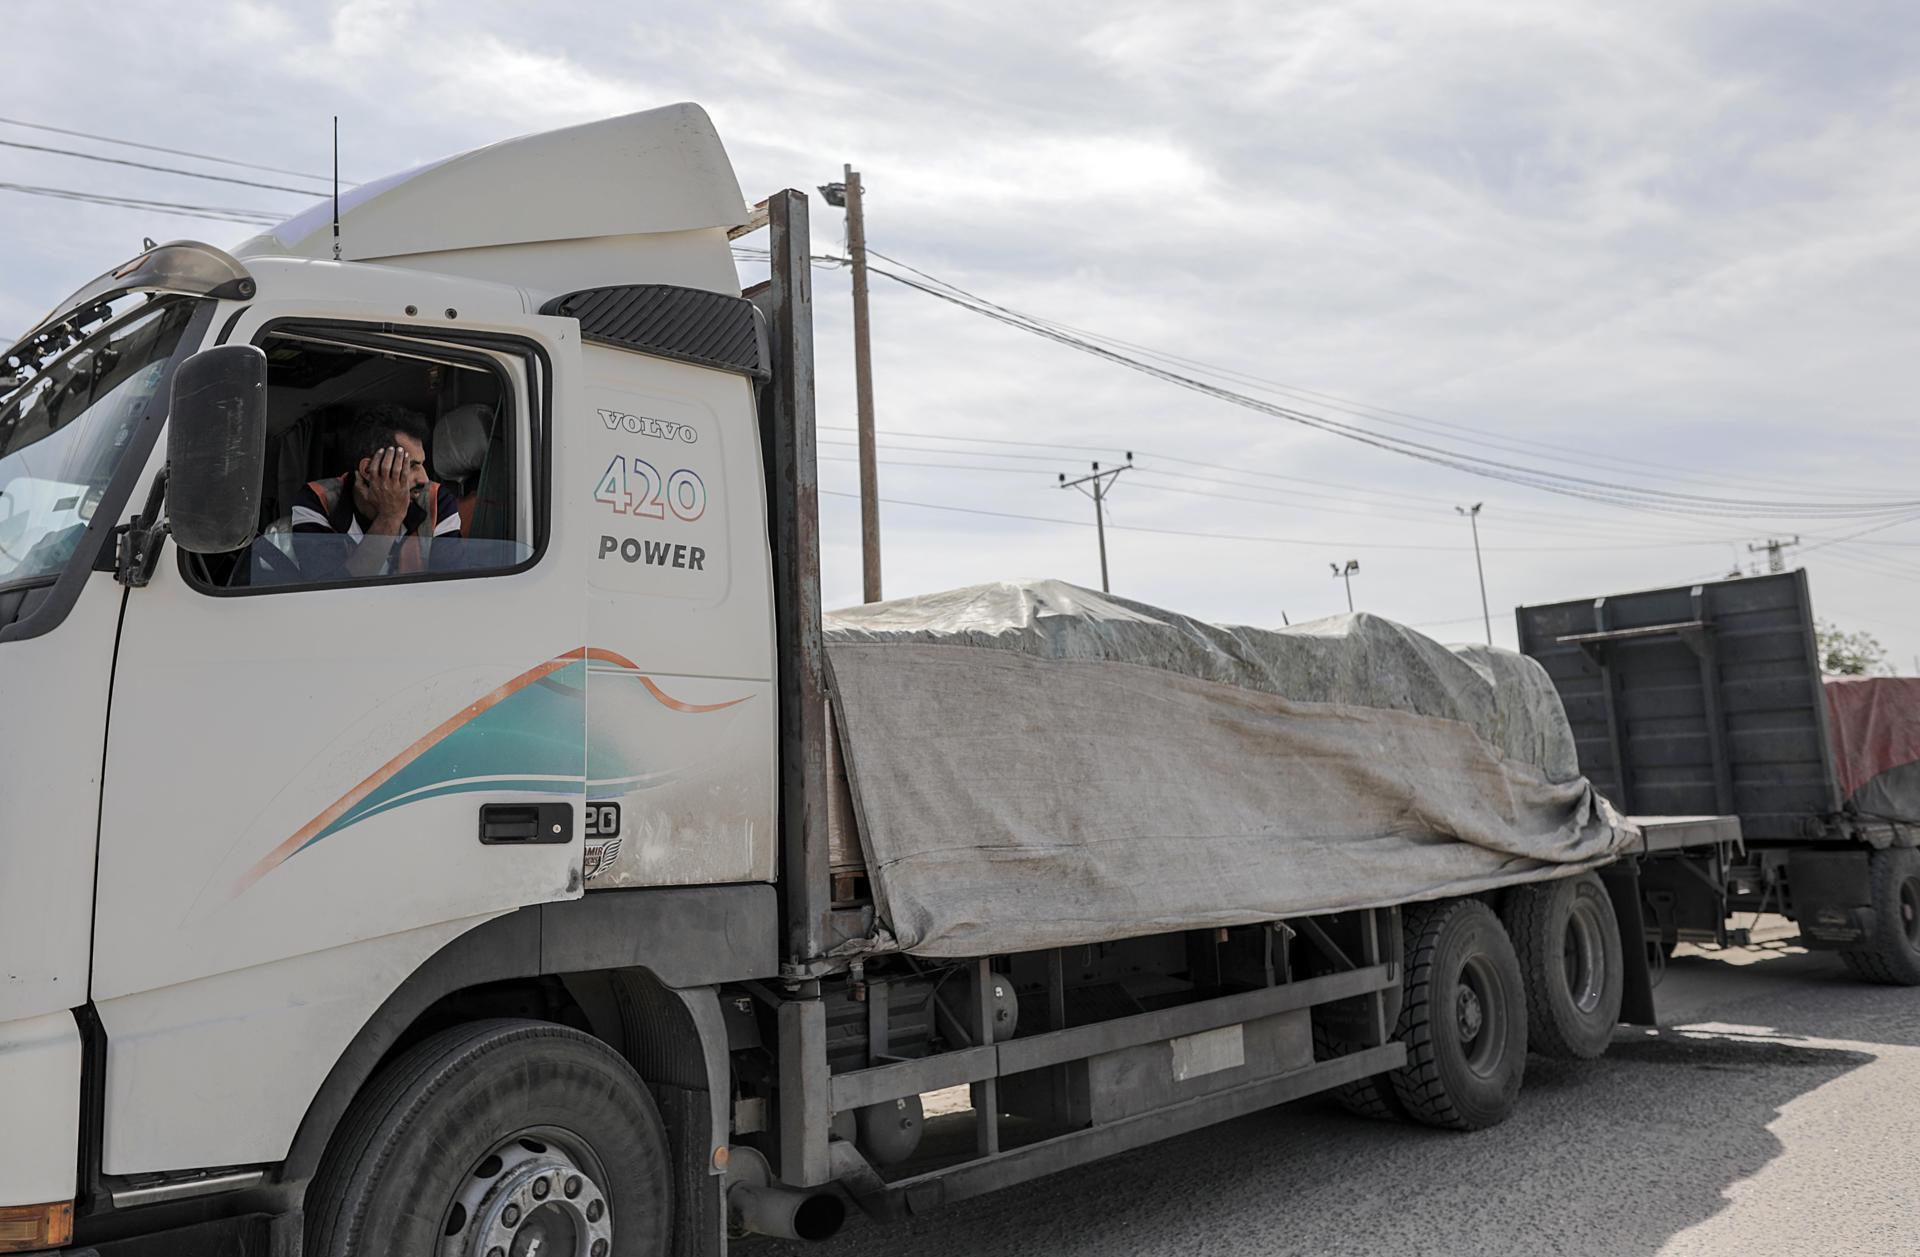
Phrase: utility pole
(1345, 575)
(1776, 552)
(1473, 517)
(1102, 482)
(847, 196)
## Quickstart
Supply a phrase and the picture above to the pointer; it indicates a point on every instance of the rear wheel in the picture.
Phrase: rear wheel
(1892, 954)
(1464, 1020)
(1568, 943)
(498, 1139)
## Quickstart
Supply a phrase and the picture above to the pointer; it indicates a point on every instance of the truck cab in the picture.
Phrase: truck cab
(258, 790)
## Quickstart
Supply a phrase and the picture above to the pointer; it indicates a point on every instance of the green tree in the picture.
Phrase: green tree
(1848, 654)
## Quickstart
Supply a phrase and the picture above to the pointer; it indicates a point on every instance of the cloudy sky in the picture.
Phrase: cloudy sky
(1669, 245)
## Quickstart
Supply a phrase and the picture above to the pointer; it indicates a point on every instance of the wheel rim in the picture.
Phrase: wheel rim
(1910, 911)
(1584, 955)
(540, 1192)
(1480, 1016)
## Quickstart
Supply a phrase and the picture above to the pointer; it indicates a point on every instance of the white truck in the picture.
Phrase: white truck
(500, 901)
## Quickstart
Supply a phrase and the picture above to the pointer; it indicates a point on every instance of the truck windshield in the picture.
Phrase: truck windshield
(63, 433)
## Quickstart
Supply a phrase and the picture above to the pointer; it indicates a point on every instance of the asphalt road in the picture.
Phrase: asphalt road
(1778, 1112)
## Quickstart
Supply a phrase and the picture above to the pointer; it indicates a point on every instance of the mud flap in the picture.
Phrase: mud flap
(1622, 880)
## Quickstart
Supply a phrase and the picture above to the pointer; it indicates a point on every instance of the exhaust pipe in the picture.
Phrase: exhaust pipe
(784, 1212)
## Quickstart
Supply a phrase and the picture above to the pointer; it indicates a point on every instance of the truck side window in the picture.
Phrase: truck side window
(384, 464)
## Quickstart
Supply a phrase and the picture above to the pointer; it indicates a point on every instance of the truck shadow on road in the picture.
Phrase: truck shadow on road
(1793, 992)
(1615, 1156)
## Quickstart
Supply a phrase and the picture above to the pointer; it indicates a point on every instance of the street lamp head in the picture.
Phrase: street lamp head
(1353, 565)
(1470, 510)
(834, 194)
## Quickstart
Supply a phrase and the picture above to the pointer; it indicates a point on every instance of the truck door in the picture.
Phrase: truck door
(320, 771)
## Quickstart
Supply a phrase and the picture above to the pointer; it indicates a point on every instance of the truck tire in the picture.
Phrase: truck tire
(1892, 954)
(1464, 1020)
(478, 1135)
(1364, 1097)
(1568, 943)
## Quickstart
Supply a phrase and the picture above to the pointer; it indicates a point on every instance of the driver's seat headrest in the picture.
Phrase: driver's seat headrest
(460, 442)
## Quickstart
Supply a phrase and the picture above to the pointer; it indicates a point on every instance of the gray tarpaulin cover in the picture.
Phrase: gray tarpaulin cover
(1039, 765)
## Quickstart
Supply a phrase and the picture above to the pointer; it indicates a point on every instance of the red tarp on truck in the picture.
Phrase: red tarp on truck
(1874, 726)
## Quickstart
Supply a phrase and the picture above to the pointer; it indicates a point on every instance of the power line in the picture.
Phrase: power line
(1050, 459)
(1635, 496)
(1387, 415)
(1367, 511)
(1387, 515)
(1533, 477)
(1465, 619)
(222, 213)
(1187, 462)
(1392, 494)
(897, 462)
(1834, 541)
(821, 261)
(157, 148)
(170, 170)
(1223, 536)
(1902, 545)
(1568, 525)
(1854, 564)
(1879, 577)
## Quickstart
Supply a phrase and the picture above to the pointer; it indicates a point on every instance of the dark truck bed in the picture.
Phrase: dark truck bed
(1707, 700)
(1697, 700)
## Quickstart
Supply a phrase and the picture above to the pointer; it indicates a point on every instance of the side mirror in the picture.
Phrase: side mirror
(217, 448)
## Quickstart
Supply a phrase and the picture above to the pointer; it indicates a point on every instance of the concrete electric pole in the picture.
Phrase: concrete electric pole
(1345, 575)
(1101, 482)
(1776, 552)
(847, 195)
(1473, 517)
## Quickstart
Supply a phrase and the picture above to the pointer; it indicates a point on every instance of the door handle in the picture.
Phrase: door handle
(523, 824)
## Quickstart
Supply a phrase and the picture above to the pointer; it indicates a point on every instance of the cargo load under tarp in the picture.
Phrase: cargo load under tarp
(1873, 724)
(1037, 765)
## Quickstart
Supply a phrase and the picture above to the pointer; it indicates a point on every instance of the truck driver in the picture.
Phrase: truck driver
(385, 508)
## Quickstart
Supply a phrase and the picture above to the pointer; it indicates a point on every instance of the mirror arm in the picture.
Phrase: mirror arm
(143, 538)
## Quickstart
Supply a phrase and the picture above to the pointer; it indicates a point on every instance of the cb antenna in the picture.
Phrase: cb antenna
(336, 187)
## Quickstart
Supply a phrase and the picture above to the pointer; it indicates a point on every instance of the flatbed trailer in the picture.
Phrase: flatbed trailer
(1709, 699)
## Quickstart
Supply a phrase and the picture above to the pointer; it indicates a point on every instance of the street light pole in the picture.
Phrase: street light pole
(1473, 518)
(1100, 480)
(1345, 575)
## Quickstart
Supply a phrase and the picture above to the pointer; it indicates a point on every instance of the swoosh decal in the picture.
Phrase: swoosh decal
(668, 700)
(381, 775)
(342, 811)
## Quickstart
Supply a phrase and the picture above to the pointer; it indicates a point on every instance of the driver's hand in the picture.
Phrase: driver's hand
(386, 483)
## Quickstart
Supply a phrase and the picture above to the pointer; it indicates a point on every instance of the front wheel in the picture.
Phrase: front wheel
(501, 1137)
(1464, 1019)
